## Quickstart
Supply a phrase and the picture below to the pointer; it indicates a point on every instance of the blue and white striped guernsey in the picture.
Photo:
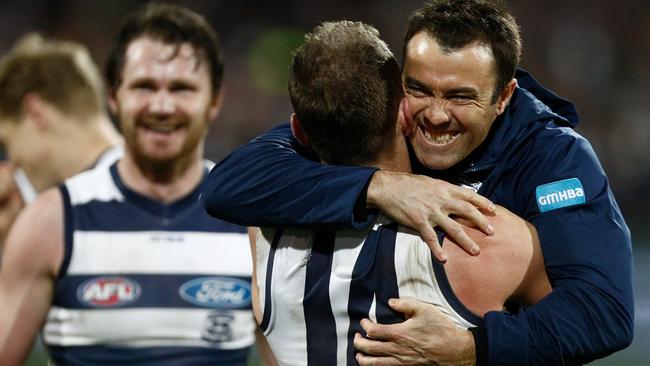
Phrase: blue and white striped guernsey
(146, 283)
(315, 287)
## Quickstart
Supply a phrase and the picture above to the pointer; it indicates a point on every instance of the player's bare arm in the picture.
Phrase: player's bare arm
(10, 200)
(509, 269)
(263, 347)
(30, 263)
(255, 296)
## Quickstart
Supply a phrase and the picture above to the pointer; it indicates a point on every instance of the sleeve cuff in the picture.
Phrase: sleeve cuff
(362, 215)
(480, 345)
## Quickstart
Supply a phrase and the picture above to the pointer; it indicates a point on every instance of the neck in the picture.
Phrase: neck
(395, 157)
(85, 141)
(164, 182)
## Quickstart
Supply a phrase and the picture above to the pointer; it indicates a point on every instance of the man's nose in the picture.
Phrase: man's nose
(162, 103)
(437, 112)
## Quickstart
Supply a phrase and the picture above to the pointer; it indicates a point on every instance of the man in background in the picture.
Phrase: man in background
(53, 120)
(130, 269)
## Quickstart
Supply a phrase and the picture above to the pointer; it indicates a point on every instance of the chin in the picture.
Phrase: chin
(435, 164)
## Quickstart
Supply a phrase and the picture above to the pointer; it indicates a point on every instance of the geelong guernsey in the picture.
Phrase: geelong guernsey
(315, 287)
(146, 283)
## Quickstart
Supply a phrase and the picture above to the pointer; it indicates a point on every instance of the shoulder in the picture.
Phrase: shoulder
(37, 235)
(93, 184)
(484, 282)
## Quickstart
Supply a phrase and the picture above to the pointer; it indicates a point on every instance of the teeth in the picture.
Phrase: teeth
(162, 128)
(439, 138)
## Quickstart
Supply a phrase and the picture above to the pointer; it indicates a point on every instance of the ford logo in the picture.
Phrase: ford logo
(217, 292)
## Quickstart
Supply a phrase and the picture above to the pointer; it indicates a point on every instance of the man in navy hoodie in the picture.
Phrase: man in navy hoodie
(478, 122)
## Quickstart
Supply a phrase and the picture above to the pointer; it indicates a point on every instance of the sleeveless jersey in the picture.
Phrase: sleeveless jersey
(147, 283)
(315, 287)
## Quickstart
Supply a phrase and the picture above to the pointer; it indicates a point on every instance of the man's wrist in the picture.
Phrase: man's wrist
(361, 209)
(373, 190)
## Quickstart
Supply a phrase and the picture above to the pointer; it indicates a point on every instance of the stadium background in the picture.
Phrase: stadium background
(594, 52)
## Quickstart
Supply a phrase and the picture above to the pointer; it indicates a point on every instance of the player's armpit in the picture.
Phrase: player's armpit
(30, 263)
(264, 349)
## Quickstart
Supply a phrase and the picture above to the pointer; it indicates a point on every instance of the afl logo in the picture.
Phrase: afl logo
(217, 292)
(108, 291)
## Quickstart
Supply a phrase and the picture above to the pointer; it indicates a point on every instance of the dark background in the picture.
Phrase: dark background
(593, 52)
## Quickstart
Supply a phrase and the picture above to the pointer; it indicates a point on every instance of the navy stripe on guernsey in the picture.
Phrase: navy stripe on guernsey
(136, 212)
(147, 356)
(373, 278)
(68, 229)
(266, 317)
(320, 324)
(445, 287)
(157, 294)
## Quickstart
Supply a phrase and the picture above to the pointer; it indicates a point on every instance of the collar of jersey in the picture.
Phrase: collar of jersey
(152, 206)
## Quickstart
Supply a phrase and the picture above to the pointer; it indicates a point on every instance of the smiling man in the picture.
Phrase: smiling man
(452, 99)
(129, 268)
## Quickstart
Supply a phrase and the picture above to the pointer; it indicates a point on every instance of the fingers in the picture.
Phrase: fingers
(365, 360)
(472, 207)
(429, 236)
(455, 230)
(371, 346)
(407, 305)
(481, 202)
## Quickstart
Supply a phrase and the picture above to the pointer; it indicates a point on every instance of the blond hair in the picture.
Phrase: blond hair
(60, 72)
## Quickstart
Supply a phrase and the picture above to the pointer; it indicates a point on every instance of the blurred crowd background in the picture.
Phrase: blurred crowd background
(593, 52)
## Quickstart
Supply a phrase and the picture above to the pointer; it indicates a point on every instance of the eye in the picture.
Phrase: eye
(144, 86)
(460, 98)
(182, 88)
(415, 91)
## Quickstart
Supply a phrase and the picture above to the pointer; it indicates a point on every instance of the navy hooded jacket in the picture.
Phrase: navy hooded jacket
(532, 163)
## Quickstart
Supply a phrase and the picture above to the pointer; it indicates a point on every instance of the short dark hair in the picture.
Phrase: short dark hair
(457, 23)
(345, 88)
(60, 72)
(170, 24)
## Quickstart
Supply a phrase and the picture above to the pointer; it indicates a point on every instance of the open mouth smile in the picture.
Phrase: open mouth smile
(439, 138)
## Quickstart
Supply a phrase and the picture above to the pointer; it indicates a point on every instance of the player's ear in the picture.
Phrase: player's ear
(506, 94)
(405, 118)
(34, 107)
(297, 131)
(215, 105)
(112, 101)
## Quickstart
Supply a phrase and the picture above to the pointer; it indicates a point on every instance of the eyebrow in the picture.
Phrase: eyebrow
(417, 84)
(463, 90)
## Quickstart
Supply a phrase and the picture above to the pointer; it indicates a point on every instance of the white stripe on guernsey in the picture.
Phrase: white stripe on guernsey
(144, 327)
(95, 184)
(415, 275)
(263, 241)
(100, 252)
(346, 251)
(289, 338)
(110, 156)
(372, 313)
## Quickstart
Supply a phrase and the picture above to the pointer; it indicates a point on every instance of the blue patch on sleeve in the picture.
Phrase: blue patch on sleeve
(563, 193)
